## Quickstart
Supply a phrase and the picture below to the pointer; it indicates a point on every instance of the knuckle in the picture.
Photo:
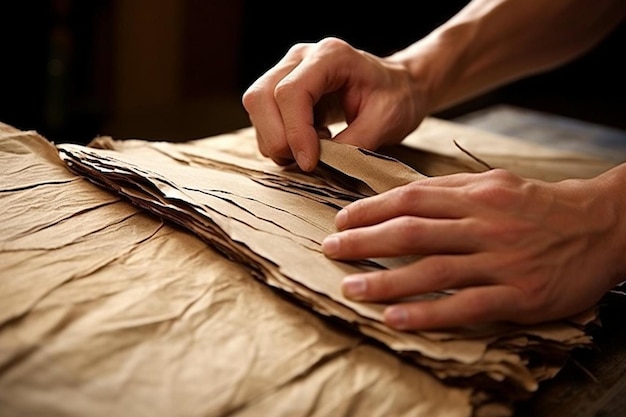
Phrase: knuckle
(407, 195)
(356, 209)
(298, 49)
(502, 175)
(284, 90)
(381, 285)
(438, 269)
(410, 232)
(252, 97)
(500, 190)
(333, 43)
(349, 241)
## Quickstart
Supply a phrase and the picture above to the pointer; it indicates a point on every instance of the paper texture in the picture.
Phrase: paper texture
(169, 301)
(273, 220)
(108, 310)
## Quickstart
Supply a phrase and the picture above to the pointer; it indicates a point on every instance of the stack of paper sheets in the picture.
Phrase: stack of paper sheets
(108, 310)
(273, 219)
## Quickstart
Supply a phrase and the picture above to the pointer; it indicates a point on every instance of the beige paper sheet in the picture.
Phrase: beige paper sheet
(273, 219)
(109, 310)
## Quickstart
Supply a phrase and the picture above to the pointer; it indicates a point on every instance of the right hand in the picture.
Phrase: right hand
(316, 84)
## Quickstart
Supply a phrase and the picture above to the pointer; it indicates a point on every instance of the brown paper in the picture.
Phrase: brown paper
(168, 303)
(273, 220)
(108, 310)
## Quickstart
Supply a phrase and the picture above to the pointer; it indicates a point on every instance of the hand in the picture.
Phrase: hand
(516, 250)
(330, 81)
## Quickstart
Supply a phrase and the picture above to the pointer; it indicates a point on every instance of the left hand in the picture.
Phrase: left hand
(517, 250)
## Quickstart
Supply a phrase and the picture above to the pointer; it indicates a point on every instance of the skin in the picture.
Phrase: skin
(513, 249)
(517, 250)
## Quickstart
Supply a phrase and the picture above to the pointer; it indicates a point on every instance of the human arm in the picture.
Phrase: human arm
(488, 43)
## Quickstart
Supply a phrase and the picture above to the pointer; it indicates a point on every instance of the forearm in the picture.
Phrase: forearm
(492, 42)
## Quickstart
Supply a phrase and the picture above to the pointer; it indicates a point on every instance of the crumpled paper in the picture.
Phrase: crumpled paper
(272, 220)
(110, 310)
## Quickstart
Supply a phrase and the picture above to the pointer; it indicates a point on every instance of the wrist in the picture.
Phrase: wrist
(436, 65)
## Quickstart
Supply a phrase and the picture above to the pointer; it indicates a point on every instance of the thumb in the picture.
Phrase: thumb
(362, 133)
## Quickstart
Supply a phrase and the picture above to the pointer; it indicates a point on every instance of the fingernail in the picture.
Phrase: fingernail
(396, 317)
(341, 219)
(303, 161)
(354, 287)
(330, 245)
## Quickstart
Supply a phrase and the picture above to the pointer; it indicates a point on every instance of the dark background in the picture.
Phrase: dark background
(176, 69)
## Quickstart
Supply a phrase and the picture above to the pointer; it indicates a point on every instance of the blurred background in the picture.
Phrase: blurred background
(176, 69)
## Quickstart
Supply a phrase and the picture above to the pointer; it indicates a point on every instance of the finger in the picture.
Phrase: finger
(365, 128)
(427, 275)
(263, 149)
(317, 75)
(270, 134)
(296, 98)
(405, 235)
(264, 113)
(471, 306)
(456, 180)
(414, 199)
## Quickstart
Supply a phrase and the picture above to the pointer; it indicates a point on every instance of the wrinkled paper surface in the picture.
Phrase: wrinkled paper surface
(166, 305)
